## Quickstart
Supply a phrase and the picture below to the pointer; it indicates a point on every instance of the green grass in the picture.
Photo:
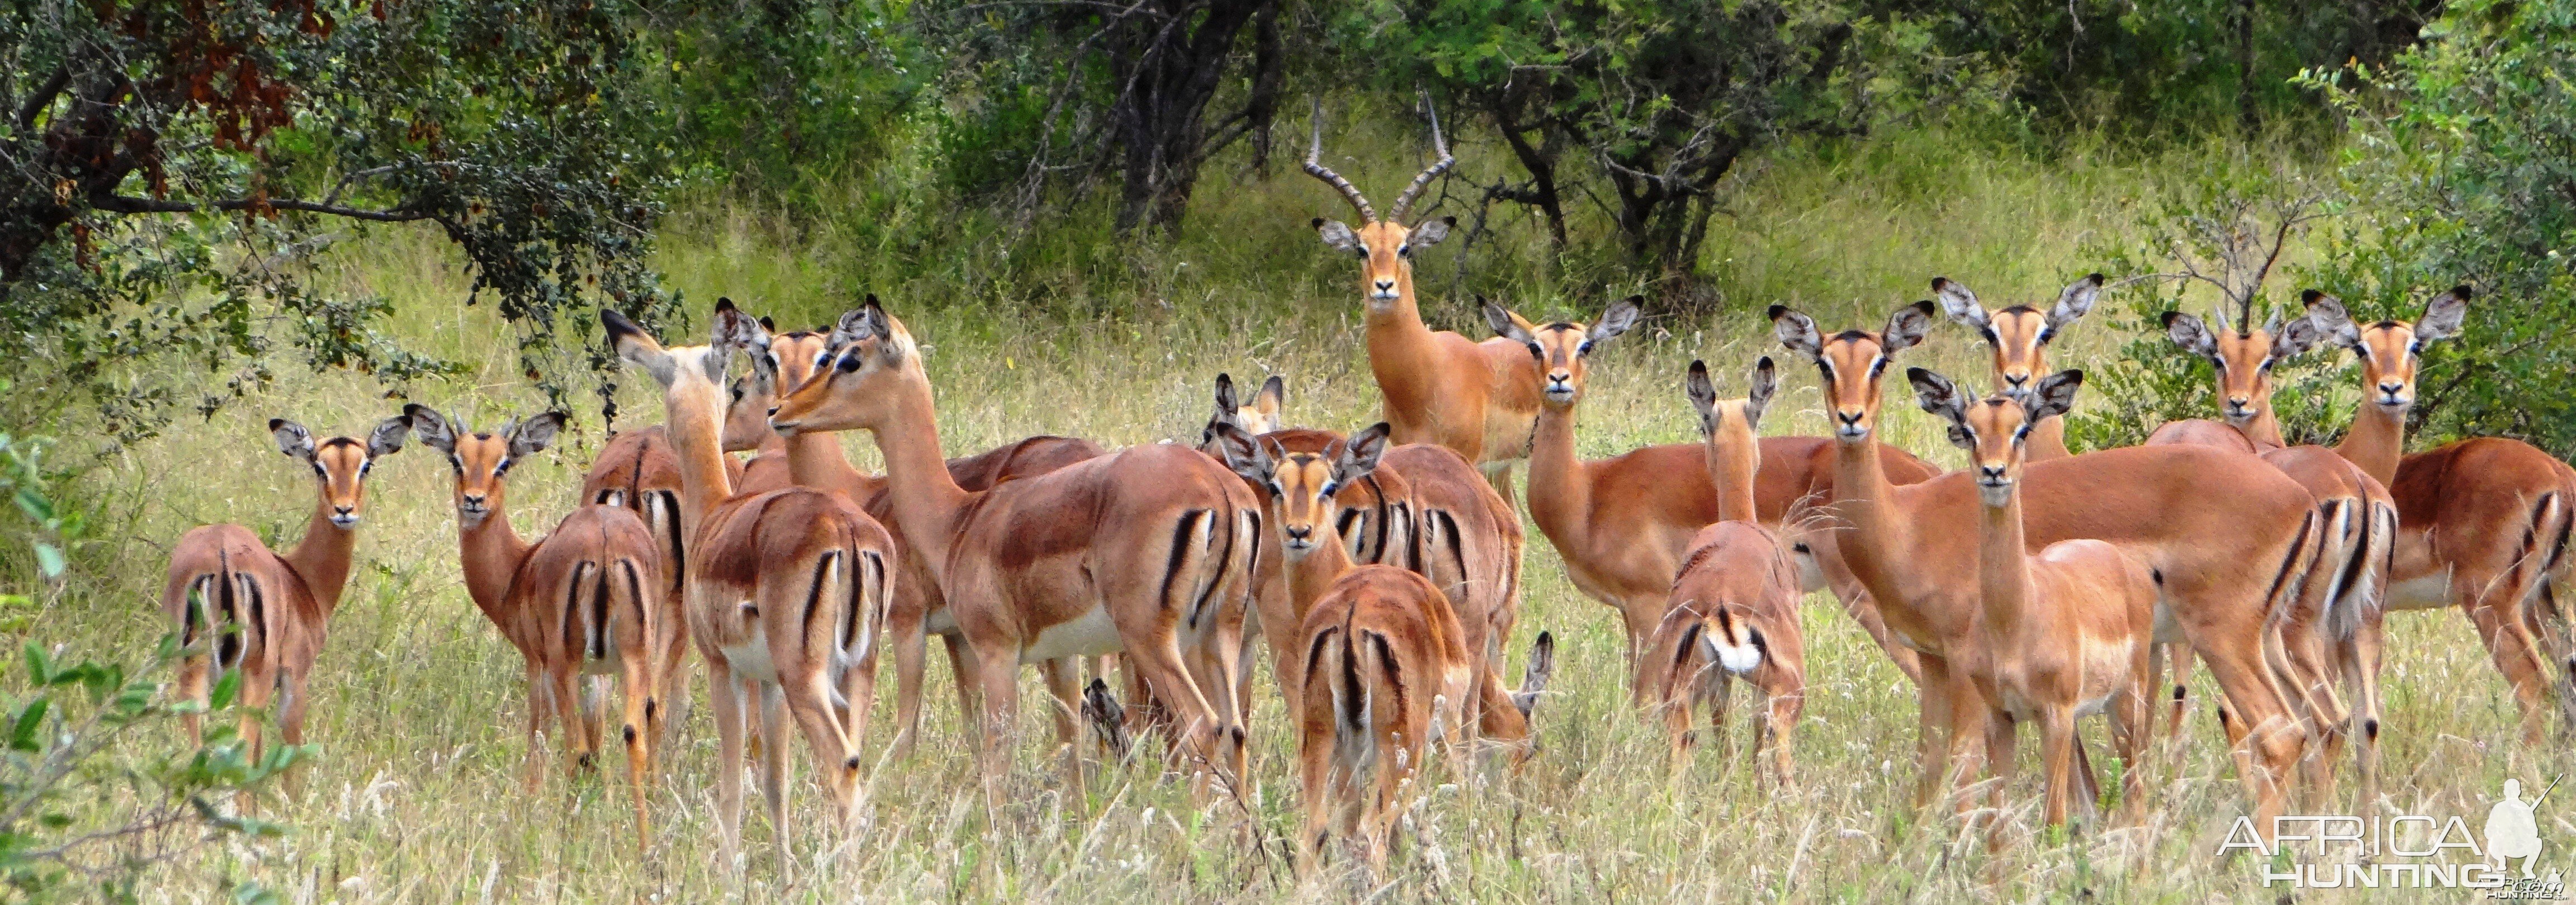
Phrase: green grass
(419, 702)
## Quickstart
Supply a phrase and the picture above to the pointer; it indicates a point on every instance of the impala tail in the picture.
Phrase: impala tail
(2363, 587)
(1734, 642)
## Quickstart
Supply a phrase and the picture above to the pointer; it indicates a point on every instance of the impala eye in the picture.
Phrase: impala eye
(1404, 251)
(823, 361)
(1584, 349)
(1537, 352)
(849, 362)
(1328, 488)
(366, 466)
(503, 468)
(317, 469)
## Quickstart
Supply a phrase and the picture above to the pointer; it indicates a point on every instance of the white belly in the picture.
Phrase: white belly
(750, 660)
(2428, 592)
(1090, 634)
(1811, 577)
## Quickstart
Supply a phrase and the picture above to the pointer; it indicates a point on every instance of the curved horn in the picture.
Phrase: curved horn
(1315, 167)
(1404, 202)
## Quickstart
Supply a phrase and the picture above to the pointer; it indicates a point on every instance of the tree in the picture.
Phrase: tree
(1126, 87)
(2461, 173)
(167, 167)
(1661, 97)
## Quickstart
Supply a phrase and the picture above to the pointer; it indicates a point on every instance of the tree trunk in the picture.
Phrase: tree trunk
(1538, 160)
(1167, 76)
(2245, 114)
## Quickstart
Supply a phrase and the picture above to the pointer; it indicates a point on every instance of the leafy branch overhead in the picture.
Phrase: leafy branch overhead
(172, 168)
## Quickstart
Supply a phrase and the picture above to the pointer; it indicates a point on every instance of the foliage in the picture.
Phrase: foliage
(2461, 174)
(1661, 99)
(167, 170)
(2209, 251)
(782, 94)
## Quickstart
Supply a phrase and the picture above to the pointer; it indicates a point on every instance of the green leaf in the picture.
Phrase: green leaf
(49, 560)
(23, 730)
(225, 689)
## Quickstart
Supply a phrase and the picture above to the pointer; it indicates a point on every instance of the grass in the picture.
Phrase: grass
(418, 701)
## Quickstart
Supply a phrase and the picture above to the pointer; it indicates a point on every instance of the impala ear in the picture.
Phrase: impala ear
(1619, 319)
(1241, 452)
(2191, 334)
(2073, 304)
(891, 348)
(387, 438)
(1273, 397)
(769, 325)
(2444, 315)
(2055, 394)
(1339, 237)
(1765, 380)
(1797, 332)
(535, 434)
(1505, 324)
(852, 327)
(1959, 303)
(1429, 232)
(2333, 323)
(1906, 327)
(1360, 453)
(1703, 395)
(1225, 404)
(1542, 665)
(2296, 338)
(638, 347)
(432, 427)
(1936, 394)
(737, 329)
(292, 439)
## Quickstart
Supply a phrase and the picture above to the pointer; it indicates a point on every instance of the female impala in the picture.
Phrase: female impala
(1624, 524)
(1440, 387)
(2228, 540)
(787, 589)
(1384, 669)
(2019, 336)
(1423, 508)
(579, 601)
(638, 471)
(2483, 523)
(1146, 551)
(1734, 609)
(2331, 633)
(816, 460)
(268, 612)
(2060, 634)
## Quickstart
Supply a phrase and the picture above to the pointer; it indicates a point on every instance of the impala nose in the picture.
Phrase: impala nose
(1386, 287)
(474, 501)
(1990, 474)
(1300, 532)
(2017, 380)
(2390, 388)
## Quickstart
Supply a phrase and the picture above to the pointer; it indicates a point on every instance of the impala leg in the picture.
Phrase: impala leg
(2359, 659)
(2181, 655)
(858, 698)
(970, 690)
(2131, 730)
(571, 714)
(194, 686)
(997, 669)
(258, 687)
(1676, 708)
(1933, 728)
(1064, 683)
(1315, 778)
(2509, 644)
(1193, 719)
(836, 754)
(541, 711)
(2057, 738)
(1784, 707)
(637, 678)
(2326, 713)
(2264, 739)
(2001, 738)
(905, 634)
(290, 726)
(774, 761)
(671, 686)
(725, 699)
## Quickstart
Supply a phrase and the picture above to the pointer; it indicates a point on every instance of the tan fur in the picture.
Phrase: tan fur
(2018, 336)
(1737, 592)
(1157, 538)
(638, 471)
(266, 613)
(787, 590)
(2224, 569)
(1623, 525)
(2486, 520)
(582, 599)
(2070, 627)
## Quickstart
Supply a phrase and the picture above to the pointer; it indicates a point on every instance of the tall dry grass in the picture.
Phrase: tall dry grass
(414, 796)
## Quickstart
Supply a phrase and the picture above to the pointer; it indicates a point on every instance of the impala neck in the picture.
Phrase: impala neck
(926, 500)
(1311, 575)
(2263, 429)
(2377, 440)
(2047, 440)
(694, 430)
(1558, 494)
(491, 553)
(816, 460)
(322, 557)
(1732, 460)
(2003, 569)
(1873, 533)
(1400, 348)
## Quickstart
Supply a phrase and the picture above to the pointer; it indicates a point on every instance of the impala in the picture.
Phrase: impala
(786, 590)
(2331, 633)
(2483, 523)
(578, 602)
(1423, 508)
(267, 612)
(1385, 669)
(637, 471)
(817, 460)
(1624, 524)
(2019, 337)
(1145, 552)
(2060, 634)
(1734, 609)
(2229, 540)
(1440, 387)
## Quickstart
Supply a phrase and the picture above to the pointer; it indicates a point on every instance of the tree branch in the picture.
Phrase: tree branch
(44, 96)
(127, 205)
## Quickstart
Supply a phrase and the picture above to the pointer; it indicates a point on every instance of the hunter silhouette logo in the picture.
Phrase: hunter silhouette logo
(2408, 851)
